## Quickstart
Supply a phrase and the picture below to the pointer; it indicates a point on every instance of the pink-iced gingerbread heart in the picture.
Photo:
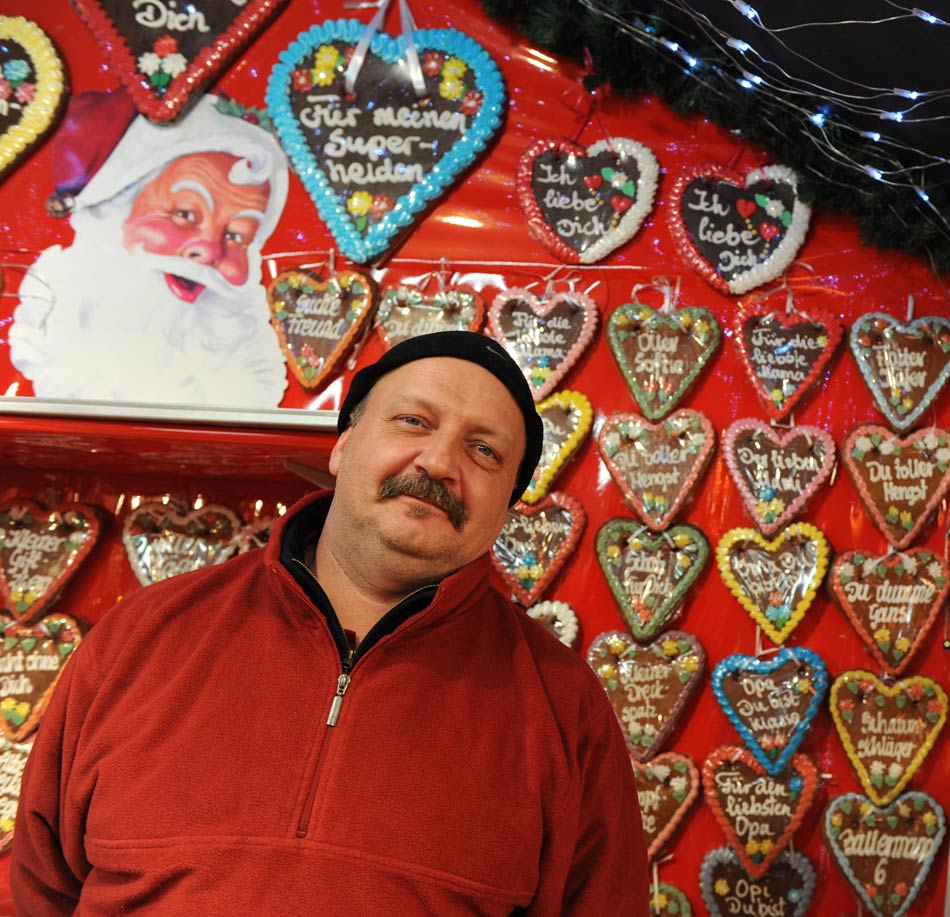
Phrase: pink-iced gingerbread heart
(777, 472)
(545, 336)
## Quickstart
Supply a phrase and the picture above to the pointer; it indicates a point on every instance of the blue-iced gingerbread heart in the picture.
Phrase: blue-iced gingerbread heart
(771, 702)
(374, 161)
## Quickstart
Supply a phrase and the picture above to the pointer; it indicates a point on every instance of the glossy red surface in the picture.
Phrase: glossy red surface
(479, 228)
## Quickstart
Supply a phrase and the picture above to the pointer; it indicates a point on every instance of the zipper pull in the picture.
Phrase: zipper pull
(342, 683)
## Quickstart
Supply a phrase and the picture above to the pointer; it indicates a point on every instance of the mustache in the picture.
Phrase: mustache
(429, 489)
(208, 276)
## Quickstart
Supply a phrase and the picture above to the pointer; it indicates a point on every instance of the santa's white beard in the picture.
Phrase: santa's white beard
(98, 322)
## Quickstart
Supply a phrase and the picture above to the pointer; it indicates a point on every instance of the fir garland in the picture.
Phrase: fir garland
(888, 216)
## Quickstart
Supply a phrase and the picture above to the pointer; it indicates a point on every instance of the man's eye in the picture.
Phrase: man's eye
(487, 451)
(412, 421)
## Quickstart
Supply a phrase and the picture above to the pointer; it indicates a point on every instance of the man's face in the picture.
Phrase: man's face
(441, 418)
(192, 210)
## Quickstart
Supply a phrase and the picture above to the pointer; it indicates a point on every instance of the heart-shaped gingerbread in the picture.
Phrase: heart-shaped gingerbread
(784, 352)
(777, 472)
(728, 891)
(545, 336)
(536, 542)
(738, 232)
(891, 601)
(666, 787)
(648, 686)
(31, 660)
(165, 54)
(771, 702)
(40, 550)
(759, 812)
(904, 365)
(375, 159)
(661, 353)
(581, 203)
(650, 574)
(775, 581)
(656, 466)
(34, 85)
(163, 540)
(406, 312)
(559, 618)
(900, 480)
(13, 757)
(668, 901)
(885, 853)
(254, 534)
(566, 418)
(887, 729)
(317, 321)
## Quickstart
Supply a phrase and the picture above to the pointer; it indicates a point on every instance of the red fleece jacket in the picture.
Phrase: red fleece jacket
(184, 765)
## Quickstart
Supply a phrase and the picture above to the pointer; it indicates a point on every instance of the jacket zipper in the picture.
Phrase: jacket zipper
(348, 658)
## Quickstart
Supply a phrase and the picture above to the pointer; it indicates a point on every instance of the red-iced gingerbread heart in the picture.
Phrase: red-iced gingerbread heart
(536, 542)
(40, 550)
(166, 53)
(666, 787)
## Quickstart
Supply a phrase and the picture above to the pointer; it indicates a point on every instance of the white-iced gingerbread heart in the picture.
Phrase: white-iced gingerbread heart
(729, 891)
(738, 231)
(582, 203)
(407, 312)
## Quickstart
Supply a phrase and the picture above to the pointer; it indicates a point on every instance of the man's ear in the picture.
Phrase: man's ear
(337, 451)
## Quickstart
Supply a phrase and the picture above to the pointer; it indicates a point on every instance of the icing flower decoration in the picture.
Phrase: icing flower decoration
(721, 887)
(432, 62)
(163, 63)
(301, 80)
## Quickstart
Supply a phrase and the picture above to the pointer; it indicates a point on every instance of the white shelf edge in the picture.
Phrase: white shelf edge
(296, 418)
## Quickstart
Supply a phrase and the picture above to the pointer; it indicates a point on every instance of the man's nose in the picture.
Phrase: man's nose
(440, 457)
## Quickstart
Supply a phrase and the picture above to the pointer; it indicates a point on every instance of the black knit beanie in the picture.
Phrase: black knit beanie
(463, 345)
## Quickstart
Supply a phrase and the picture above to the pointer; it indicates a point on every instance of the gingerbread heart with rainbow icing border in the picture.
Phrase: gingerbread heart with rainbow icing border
(729, 891)
(36, 87)
(648, 686)
(886, 729)
(660, 353)
(650, 574)
(784, 352)
(776, 472)
(774, 580)
(165, 539)
(318, 320)
(582, 203)
(656, 466)
(373, 160)
(900, 479)
(407, 312)
(771, 702)
(536, 542)
(164, 56)
(738, 231)
(885, 853)
(545, 335)
(32, 657)
(891, 601)
(566, 419)
(668, 901)
(667, 786)
(40, 551)
(13, 757)
(757, 811)
(905, 365)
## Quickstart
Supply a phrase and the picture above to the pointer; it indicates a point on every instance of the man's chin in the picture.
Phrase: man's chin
(186, 290)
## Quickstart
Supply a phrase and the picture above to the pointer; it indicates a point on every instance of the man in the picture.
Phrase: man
(159, 297)
(350, 720)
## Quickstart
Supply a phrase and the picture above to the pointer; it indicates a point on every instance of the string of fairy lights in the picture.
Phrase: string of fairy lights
(721, 61)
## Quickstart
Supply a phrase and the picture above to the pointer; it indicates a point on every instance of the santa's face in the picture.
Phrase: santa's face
(193, 210)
